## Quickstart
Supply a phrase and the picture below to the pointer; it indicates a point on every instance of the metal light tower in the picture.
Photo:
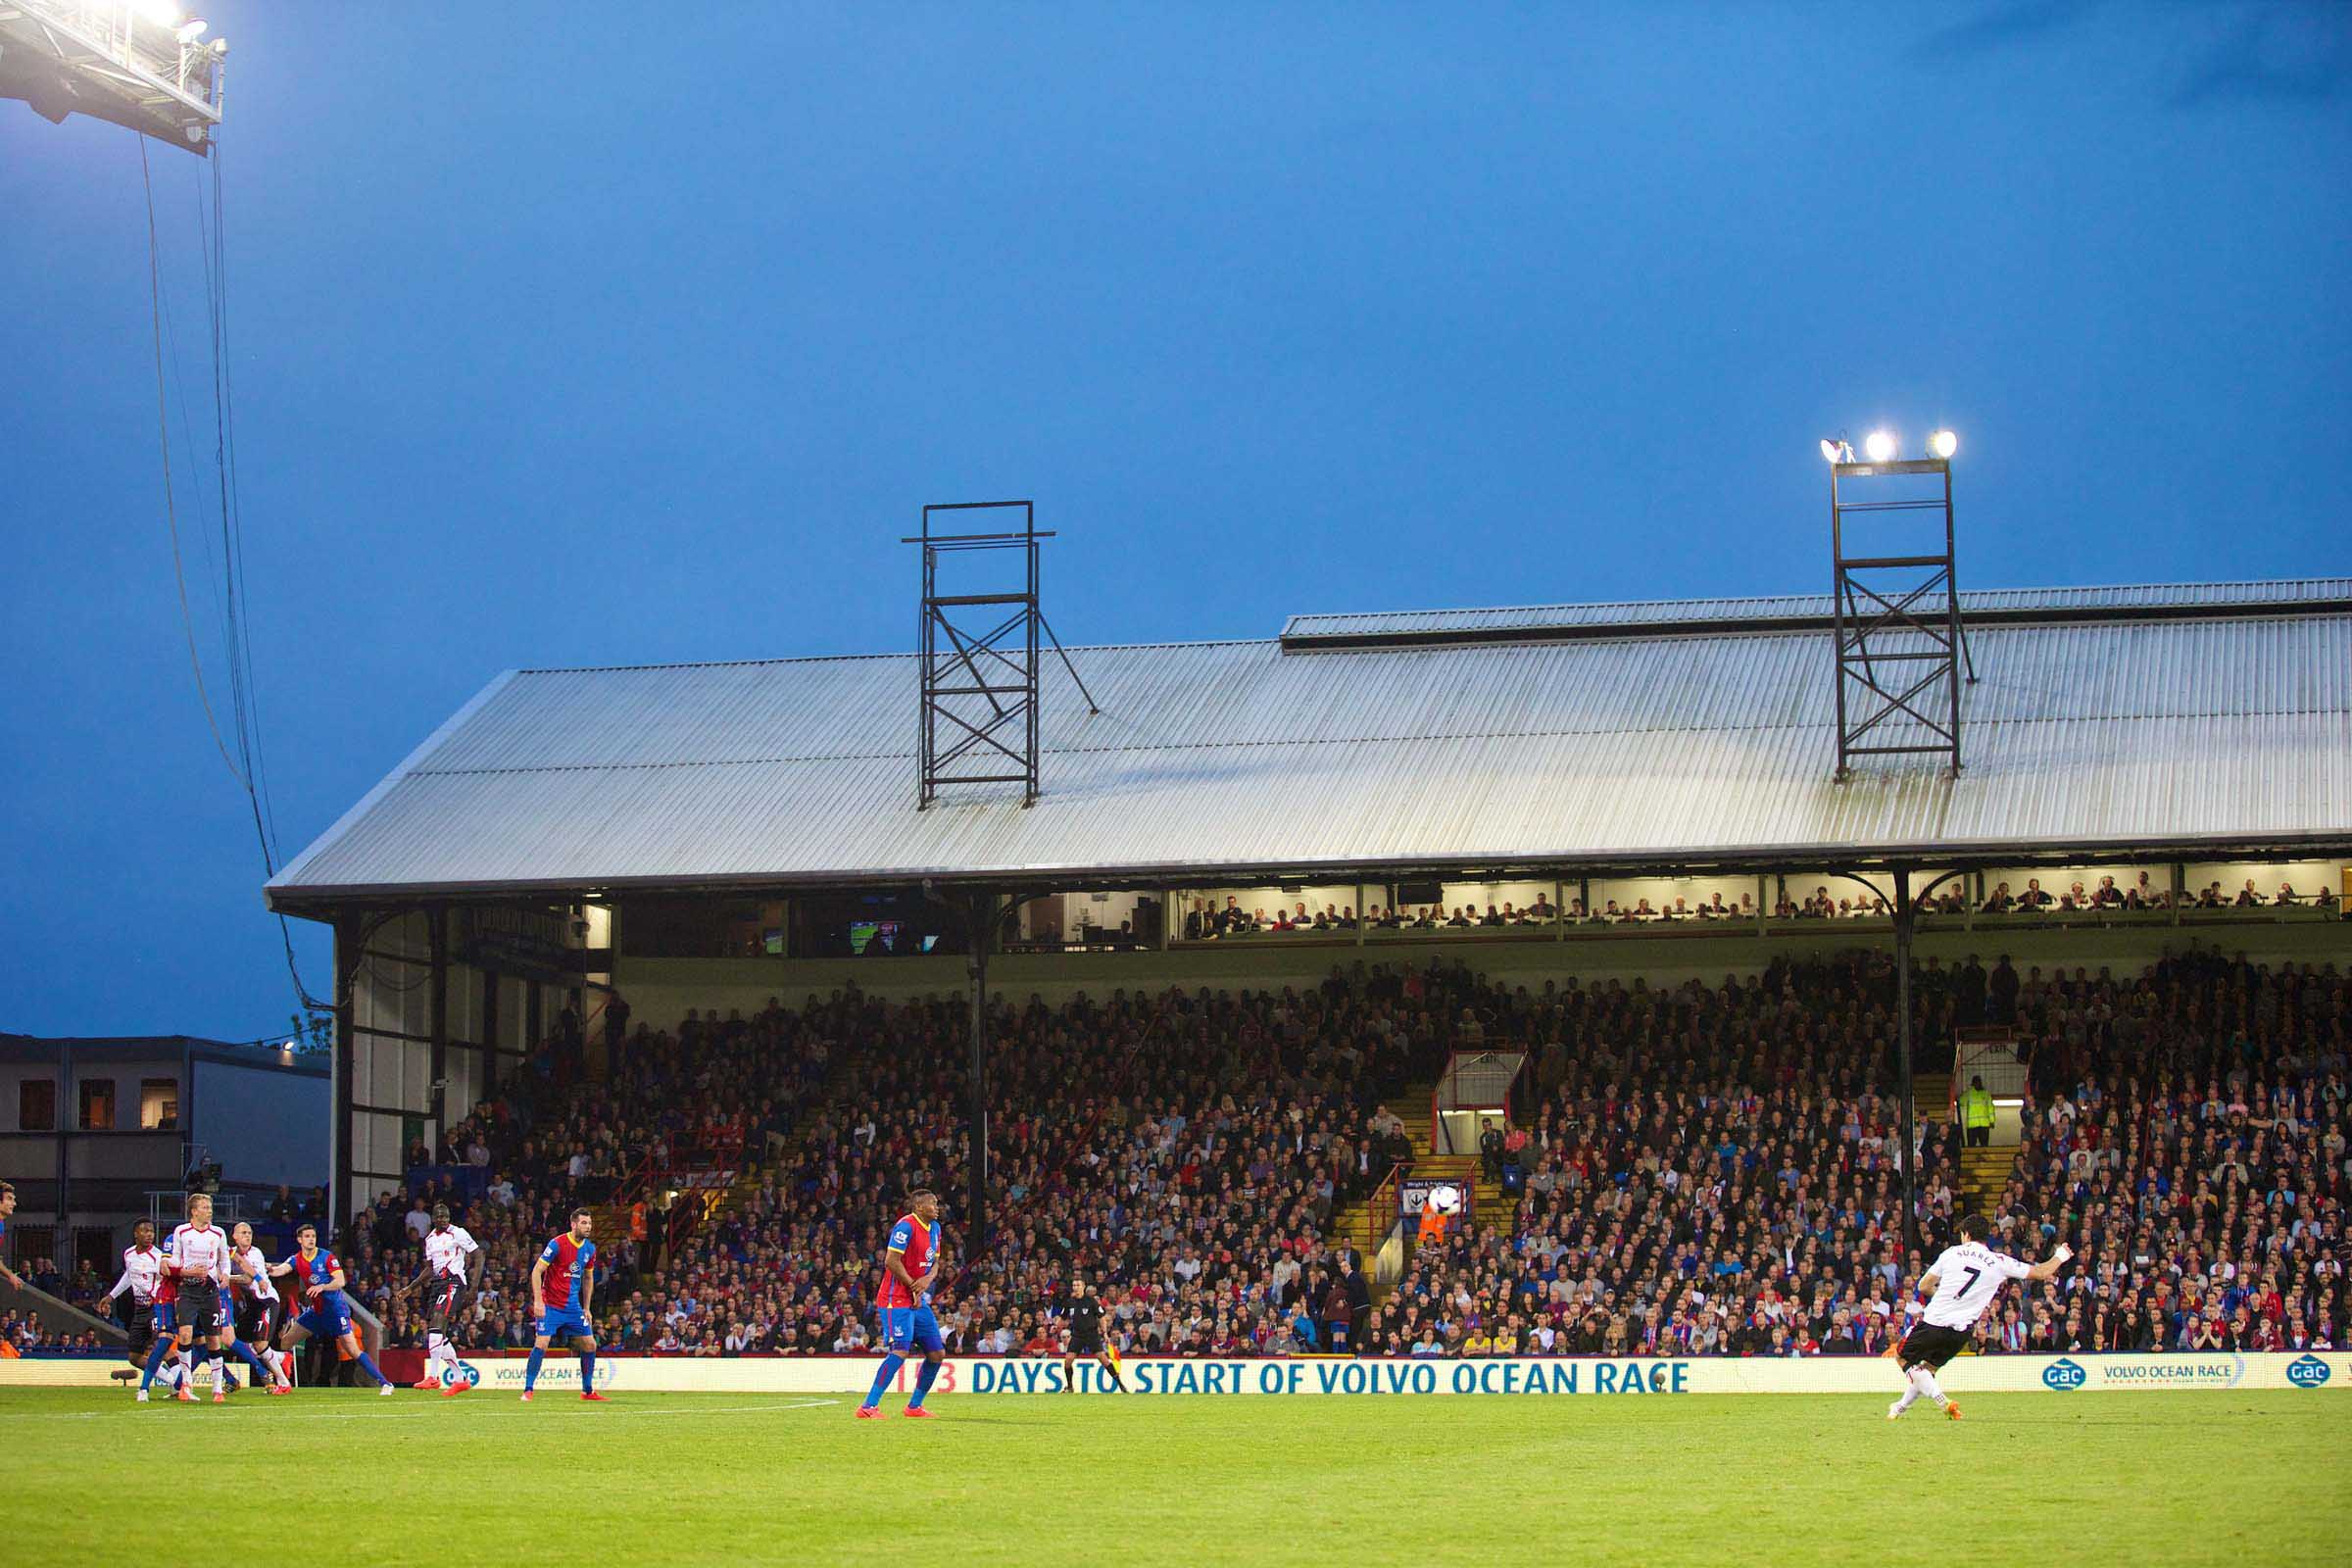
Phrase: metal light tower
(1897, 605)
(979, 674)
(143, 64)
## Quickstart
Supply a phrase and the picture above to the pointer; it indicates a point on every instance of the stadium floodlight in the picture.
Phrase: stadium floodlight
(138, 64)
(1838, 451)
(1881, 445)
(1943, 444)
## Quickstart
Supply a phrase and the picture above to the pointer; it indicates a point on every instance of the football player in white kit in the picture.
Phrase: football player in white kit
(254, 1323)
(1961, 1287)
(142, 1271)
(197, 1254)
(453, 1265)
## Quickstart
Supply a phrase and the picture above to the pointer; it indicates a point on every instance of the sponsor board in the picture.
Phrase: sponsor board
(1415, 1191)
(2307, 1371)
(2173, 1372)
(1515, 1377)
(563, 1371)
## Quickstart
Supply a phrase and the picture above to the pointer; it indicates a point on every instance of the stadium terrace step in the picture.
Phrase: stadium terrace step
(1985, 1174)
(1931, 1097)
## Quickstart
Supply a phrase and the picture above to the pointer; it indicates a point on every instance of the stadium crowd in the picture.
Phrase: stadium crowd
(1714, 1171)
(22, 1334)
(1702, 1169)
(1208, 920)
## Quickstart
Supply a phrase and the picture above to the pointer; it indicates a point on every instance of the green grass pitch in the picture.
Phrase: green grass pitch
(707, 1479)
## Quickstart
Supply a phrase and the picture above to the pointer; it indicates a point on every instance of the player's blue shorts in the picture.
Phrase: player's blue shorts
(165, 1323)
(903, 1326)
(563, 1325)
(329, 1317)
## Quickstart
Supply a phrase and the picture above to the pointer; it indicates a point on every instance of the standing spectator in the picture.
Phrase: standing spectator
(1976, 1113)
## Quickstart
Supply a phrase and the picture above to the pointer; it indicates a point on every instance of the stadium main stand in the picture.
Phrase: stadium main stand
(1696, 1169)
(1460, 811)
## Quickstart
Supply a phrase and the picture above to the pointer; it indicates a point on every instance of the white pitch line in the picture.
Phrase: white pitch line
(419, 1415)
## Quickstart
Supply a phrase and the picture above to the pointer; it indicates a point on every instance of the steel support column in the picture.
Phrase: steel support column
(1901, 875)
(69, 1105)
(348, 938)
(982, 907)
(436, 924)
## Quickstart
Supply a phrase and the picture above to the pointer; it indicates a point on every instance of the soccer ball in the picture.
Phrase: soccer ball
(1446, 1199)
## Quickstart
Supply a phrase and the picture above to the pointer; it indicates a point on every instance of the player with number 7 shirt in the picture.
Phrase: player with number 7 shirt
(1961, 1287)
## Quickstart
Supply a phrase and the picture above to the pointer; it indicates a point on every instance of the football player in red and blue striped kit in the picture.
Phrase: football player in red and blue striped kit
(319, 1283)
(909, 1268)
(563, 1291)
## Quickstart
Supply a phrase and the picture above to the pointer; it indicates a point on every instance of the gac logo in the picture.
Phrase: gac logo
(2063, 1374)
(2307, 1372)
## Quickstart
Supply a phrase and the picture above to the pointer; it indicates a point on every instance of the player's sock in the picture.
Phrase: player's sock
(245, 1354)
(922, 1385)
(530, 1372)
(1910, 1396)
(587, 1371)
(154, 1360)
(1923, 1380)
(367, 1365)
(890, 1369)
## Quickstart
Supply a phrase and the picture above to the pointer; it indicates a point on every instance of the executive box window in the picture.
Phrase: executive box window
(703, 928)
(37, 1106)
(872, 925)
(97, 1104)
(159, 1104)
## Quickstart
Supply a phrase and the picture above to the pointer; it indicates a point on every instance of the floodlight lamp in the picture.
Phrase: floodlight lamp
(1881, 445)
(1835, 451)
(192, 30)
(162, 13)
(1943, 444)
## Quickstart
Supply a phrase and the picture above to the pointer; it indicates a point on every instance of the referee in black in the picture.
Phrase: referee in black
(1085, 1338)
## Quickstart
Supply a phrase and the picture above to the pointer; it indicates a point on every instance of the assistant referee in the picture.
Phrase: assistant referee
(1083, 1317)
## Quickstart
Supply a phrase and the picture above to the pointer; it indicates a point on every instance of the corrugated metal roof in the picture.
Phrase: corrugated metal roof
(1684, 747)
(1637, 615)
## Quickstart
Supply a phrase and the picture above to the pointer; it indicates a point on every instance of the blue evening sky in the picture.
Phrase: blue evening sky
(612, 335)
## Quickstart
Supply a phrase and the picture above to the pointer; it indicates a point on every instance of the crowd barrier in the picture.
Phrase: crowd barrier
(1524, 1376)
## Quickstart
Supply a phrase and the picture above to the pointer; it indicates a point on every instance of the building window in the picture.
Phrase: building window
(37, 1106)
(97, 1104)
(159, 1104)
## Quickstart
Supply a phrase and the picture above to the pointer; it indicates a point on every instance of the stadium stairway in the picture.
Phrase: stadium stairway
(1353, 1224)
(759, 1157)
(1931, 1097)
(1985, 1174)
(719, 1202)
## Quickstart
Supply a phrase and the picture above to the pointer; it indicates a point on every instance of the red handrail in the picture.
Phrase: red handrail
(1392, 1185)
